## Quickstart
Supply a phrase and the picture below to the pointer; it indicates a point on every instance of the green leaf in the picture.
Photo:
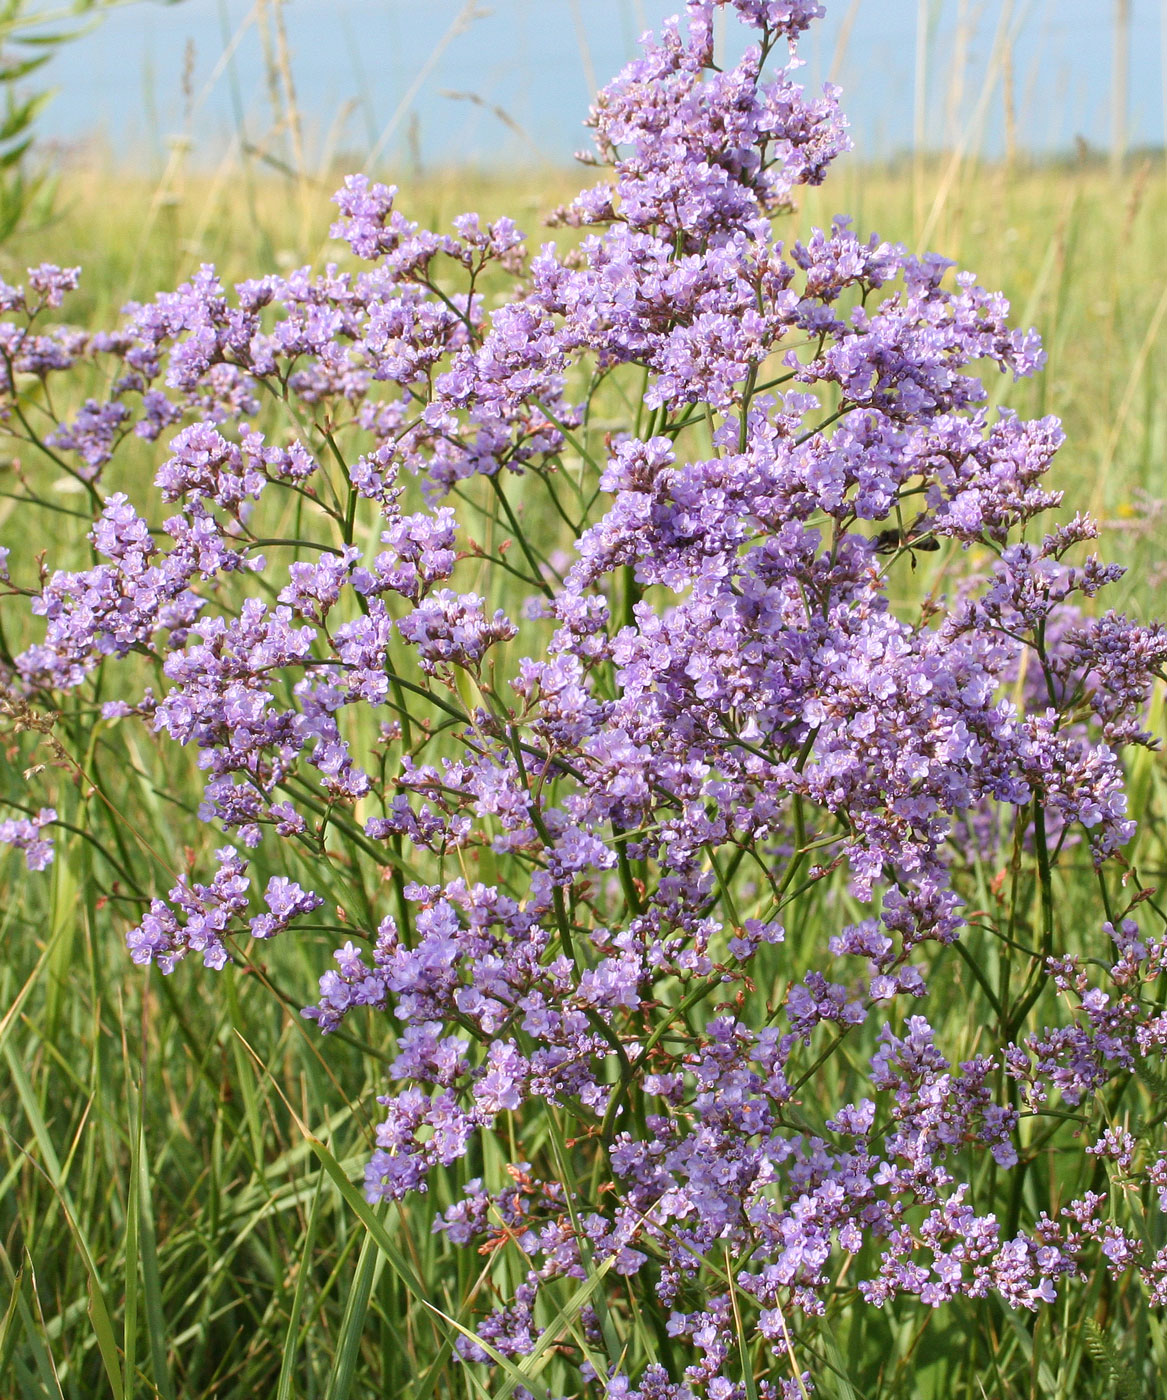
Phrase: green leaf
(284, 1387)
(352, 1325)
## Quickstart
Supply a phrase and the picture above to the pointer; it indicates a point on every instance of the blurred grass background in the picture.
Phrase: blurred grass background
(167, 1228)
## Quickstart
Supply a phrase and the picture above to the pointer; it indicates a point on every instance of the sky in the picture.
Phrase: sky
(405, 81)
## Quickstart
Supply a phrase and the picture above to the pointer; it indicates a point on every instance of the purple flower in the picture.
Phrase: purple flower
(451, 629)
(26, 834)
(285, 901)
(611, 830)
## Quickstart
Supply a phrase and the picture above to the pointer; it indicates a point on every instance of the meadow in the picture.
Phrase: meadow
(179, 1156)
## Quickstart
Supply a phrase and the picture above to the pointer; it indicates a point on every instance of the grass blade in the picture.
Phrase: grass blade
(284, 1388)
(352, 1324)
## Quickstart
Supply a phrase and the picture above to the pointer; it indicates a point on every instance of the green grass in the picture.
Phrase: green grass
(176, 1211)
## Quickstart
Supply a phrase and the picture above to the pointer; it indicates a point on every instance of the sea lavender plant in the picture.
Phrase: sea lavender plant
(793, 640)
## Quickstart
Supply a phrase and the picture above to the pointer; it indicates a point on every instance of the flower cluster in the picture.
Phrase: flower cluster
(28, 835)
(713, 709)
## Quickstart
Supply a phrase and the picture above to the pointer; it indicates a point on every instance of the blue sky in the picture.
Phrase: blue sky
(367, 74)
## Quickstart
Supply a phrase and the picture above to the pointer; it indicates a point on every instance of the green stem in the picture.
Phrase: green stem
(539, 581)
